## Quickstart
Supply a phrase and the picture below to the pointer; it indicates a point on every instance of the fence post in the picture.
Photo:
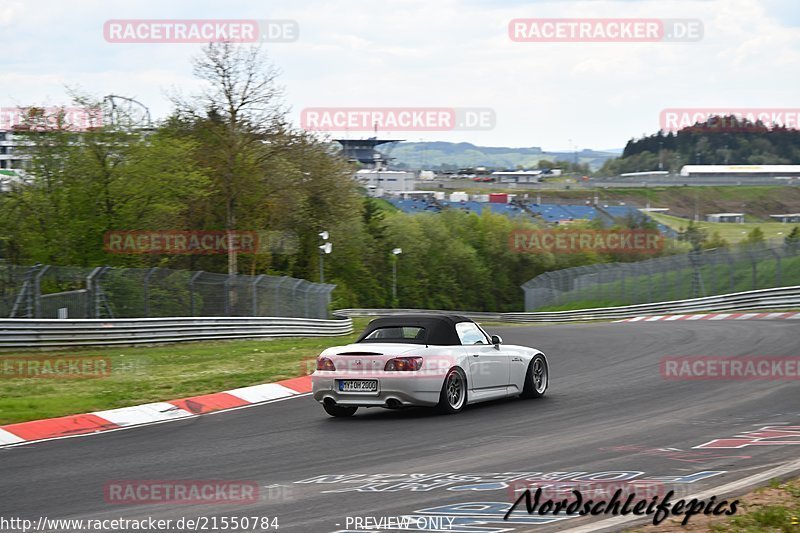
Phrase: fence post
(37, 292)
(255, 293)
(146, 292)
(278, 295)
(191, 289)
(777, 267)
(226, 289)
(309, 290)
(294, 296)
(92, 286)
(732, 270)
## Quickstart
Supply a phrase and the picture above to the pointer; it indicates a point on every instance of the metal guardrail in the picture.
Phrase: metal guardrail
(777, 298)
(55, 333)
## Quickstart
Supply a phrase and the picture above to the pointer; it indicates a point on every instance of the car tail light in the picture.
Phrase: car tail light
(324, 363)
(403, 364)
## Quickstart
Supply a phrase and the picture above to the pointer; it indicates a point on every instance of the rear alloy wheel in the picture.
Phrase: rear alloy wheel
(339, 410)
(453, 397)
(537, 378)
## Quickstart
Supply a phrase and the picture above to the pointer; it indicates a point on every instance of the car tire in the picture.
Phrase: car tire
(537, 378)
(339, 410)
(453, 396)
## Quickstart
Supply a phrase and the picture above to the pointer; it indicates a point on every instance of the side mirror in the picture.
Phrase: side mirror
(497, 341)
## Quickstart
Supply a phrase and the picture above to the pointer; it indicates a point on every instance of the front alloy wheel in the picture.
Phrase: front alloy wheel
(537, 378)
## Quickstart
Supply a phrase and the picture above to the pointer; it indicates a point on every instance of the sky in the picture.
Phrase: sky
(430, 54)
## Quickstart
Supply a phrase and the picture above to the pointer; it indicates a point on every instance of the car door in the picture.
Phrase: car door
(488, 366)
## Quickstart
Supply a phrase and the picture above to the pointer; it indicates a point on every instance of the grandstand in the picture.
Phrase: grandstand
(550, 213)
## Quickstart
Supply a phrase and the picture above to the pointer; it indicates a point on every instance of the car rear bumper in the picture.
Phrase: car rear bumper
(393, 391)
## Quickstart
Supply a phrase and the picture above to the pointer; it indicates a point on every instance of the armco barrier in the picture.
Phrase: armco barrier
(55, 333)
(777, 298)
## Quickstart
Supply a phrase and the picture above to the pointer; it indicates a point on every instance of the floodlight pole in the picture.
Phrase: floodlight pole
(324, 248)
(395, 253)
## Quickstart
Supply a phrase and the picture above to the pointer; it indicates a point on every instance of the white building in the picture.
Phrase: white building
(753, 171)
(10, 158)
(517, 176)
(790, 218)
(733, 218)
(380, 182)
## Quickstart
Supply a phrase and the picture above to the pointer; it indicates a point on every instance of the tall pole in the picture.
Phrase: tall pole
(394, 282)
(395, 253)
(324, 248)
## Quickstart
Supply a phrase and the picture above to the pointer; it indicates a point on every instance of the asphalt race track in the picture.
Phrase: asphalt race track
(607, 410)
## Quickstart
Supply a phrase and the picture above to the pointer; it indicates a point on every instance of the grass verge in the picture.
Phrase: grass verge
(733, 233)
(156, 373)
(775, 507)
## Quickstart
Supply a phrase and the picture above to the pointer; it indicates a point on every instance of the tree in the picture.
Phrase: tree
(756, 236)
(233, 116)
(81, 184)
(792, 241)
(694, 235)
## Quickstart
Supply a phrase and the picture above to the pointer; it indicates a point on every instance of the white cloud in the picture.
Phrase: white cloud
(442, 53)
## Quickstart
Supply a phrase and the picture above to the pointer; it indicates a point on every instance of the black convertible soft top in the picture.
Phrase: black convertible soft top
(440, 330)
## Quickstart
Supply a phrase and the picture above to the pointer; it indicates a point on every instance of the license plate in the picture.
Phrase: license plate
(358, 385)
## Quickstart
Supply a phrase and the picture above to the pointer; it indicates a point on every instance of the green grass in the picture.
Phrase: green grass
(732, 233)
(768, 516)
(157, 373)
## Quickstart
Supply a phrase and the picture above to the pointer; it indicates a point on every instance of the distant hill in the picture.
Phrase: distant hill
(447, 155)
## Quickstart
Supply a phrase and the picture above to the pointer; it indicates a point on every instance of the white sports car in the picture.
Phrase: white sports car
(444, 361)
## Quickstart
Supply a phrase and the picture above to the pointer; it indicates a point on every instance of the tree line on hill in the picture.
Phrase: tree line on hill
(717, 141)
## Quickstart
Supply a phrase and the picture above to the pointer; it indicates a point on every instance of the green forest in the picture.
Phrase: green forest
(718, 141)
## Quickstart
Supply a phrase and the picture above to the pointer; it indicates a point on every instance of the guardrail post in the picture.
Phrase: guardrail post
(146, 291)
(191, 289)
(254, 298)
